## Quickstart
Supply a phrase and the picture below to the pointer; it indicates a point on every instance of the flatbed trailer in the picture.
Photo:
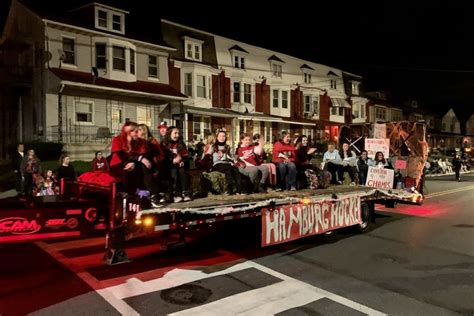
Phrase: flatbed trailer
(285, 216)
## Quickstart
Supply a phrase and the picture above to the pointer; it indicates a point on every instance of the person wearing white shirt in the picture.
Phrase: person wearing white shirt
(349, 163)
(332, 162)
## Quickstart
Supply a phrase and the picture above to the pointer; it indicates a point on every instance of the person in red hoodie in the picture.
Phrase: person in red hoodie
(99, 163)
(284, 156)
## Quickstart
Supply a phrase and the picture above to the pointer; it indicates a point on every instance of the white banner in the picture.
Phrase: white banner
(373, 145)
(380, 178)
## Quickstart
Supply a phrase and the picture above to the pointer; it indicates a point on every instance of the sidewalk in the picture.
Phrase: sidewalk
(447, 174)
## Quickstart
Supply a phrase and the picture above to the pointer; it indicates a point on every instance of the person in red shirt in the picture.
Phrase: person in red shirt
(284, 156)
(176, 155)
(248, 155)
(99, 163)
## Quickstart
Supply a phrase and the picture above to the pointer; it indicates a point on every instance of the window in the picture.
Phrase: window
(119, 58)
(284, 99)
(247, 93)
(116, 22)
(307, 103)
(333, 110)
(307, 78)
(188, 84)
(193, 48)
(144, 115)
(152, 67)
(355, 88)
(201, 86)
(239, 62)
(84, 111)
(102, 18)
(362, 110)
(100, 56)
(116, 116)
(341, 111)
(396, 115)
(380, 113)
(132, 61)
(109, 20)
(69, 55)
(201, 125)
(315, 106)
(236, 91)
(276, 98)
(333, 84)
(276, 70)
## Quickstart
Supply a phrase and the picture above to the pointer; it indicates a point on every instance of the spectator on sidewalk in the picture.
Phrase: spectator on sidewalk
(99, 163)
(17, 158)
(457, 164)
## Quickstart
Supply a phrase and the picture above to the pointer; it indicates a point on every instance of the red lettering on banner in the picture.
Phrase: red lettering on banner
(18, 226)
(290, 222)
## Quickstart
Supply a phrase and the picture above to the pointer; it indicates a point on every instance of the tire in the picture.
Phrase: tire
(366, 213)
(390, 203)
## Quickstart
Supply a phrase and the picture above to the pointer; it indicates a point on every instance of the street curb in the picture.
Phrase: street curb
(446, 174)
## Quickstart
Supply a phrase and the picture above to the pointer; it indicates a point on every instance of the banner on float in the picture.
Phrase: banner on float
(291, 222)
(380, 178)
(374, 145)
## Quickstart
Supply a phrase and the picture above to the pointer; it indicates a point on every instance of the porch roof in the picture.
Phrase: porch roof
(143, 88)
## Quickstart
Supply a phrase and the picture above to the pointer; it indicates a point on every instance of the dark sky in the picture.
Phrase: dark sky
(416, 49)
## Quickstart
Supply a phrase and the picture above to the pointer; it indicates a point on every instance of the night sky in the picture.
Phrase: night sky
(418, 50)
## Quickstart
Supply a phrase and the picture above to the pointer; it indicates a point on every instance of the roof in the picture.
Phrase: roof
(4, 10)
(238, 48)
(141, 86)
(275, 58)
(306, 67)
(75, 13)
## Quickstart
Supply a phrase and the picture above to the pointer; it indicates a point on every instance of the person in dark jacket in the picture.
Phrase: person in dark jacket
(363, 167)
(457, 164)
(65, 170)
(17, 158)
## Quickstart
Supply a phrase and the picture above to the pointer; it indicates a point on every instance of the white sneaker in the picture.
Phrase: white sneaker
(178, 199)
(187, 199)
(162, 200)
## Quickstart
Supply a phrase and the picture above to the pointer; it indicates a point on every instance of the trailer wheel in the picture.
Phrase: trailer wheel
(365, 214)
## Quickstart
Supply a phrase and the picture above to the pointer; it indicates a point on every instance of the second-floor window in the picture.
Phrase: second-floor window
(380, 114)
(188, 84)
(396, 115)
(201, 86)
(69, 51)
(333, 84)
(119, 58)
(307, 103)
(276, 98)
(236, 92)
(152, 66)
(132, 61)
(337, 110)
(359, 111)
(315, 106)
(247, 93)
(284, 99)
(100, 56)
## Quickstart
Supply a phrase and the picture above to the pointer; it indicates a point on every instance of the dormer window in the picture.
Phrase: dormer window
(307, 78)
(238, 56)
(276, 70)
(193, 48)
(333, 84)
(355, 87)
(306, 72)
(110, 19)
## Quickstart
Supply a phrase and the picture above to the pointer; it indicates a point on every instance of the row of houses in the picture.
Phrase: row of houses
(76, 74)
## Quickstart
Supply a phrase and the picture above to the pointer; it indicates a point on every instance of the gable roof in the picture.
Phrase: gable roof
(238, 48)
(275, 58)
